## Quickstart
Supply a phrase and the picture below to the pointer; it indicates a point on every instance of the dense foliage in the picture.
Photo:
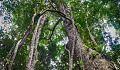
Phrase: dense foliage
(51, 53)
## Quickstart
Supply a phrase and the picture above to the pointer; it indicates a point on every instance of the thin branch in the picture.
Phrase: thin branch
(48, 29)
(13, 56)
(91, 36)
(10, 52)
(59, 12)
(27, 33)
(51, 5)
(115, 65)
(67, 49)
(56, 3)
(53, 29)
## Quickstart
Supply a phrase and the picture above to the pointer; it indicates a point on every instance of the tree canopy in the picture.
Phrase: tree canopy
(60, 35)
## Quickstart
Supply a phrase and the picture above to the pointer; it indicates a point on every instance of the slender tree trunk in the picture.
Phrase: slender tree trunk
(19, 44)
(95, 62)
(90, 34)
(41, 23)
(34, 42)
(9, 66)
(4, 63)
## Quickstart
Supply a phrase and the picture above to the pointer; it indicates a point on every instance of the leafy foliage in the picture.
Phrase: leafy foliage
(50, 55)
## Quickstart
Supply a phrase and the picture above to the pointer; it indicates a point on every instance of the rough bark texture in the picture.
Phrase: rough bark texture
(95, 62)
(19, 44)
(71, 38)
(34, 42)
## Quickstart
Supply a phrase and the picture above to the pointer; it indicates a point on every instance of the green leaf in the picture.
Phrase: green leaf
(28, 38)
(77, 24)
(81, 62)
(35, 9)
(8, 60)
(86, 48)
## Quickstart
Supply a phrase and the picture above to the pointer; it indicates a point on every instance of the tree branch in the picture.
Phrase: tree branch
(48, 29)
(56, 11)
(19, 44)
(53, 29)
(51, 4)
(91, 36)
(10, 52)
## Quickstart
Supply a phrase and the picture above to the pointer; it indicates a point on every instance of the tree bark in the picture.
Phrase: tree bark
(71, 38)
(9, 65)
(4, 63)
(19, 44)
(95, 62)
(34, 42)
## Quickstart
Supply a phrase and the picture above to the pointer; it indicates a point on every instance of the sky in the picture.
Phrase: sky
(5, 19)
(110, 36)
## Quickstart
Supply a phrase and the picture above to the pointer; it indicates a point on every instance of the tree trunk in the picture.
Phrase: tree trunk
(34, 42)
(19, 44)
(95, 62)
(9, 65)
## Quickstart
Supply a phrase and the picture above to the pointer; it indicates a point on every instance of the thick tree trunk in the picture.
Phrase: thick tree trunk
(34, 42)
(89, 62)
(95, 62)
